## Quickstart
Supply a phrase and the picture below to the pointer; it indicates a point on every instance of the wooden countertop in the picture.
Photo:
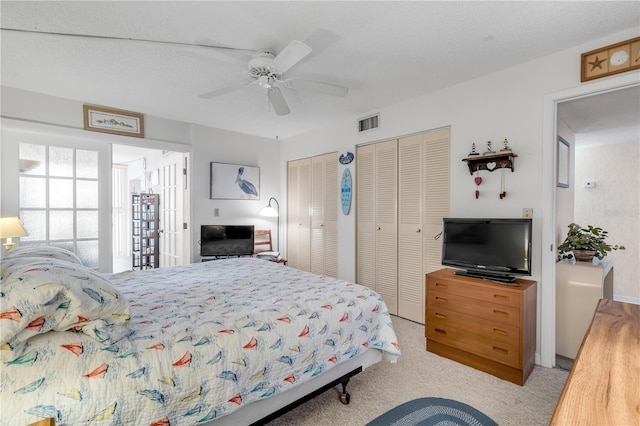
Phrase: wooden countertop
(603, 387)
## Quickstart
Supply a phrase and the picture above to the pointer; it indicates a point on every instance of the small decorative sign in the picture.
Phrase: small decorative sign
(612, 59)
(345, 191)
(346, 158)
(118, 122)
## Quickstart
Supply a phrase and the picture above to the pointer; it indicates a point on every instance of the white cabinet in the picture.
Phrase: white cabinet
(579, 287)
(401, 197)
(312, 214)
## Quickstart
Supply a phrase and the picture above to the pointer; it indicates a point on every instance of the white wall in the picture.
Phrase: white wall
(223, 146)
(613, 204)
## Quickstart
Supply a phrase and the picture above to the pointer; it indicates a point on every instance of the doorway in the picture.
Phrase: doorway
(603, 131)
(142, 170)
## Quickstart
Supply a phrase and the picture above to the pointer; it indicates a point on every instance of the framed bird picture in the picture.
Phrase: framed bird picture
(234, 182)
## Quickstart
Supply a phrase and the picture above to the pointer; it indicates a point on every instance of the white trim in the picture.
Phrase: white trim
(73, 132)
(547, 287)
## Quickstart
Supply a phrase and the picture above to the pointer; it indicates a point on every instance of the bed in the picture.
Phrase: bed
(230, 341)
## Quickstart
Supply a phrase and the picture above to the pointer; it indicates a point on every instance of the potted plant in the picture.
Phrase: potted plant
(586, 243)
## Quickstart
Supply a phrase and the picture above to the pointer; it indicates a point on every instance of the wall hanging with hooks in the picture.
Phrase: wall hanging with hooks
(490, 160)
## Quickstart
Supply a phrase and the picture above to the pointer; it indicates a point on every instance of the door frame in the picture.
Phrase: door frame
(547, 289)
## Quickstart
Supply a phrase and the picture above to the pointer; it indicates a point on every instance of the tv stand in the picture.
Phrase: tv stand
(500, 279)
(485, 325)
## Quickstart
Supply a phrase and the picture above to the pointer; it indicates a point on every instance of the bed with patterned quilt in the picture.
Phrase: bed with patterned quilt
(222, 342)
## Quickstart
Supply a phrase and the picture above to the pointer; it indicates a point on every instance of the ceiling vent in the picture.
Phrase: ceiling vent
(369, 123)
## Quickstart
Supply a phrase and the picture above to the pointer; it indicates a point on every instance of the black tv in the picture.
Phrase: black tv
(493, 249)
(226, 240)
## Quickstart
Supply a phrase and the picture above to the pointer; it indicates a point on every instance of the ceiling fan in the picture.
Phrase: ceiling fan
(267, 70)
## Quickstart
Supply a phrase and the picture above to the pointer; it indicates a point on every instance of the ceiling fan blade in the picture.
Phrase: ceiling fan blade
(221, 91)
(318, 87)
(293, 53)
(279, 104)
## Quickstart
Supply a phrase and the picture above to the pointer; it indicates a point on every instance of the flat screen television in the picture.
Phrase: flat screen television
(226, 240)
(493, 249)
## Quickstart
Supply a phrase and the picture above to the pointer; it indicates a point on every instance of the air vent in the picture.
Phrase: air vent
(369, 123)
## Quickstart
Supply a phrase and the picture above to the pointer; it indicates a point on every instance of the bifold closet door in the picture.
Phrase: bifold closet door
(298, 218)
(324, 215)
(377, 233)
(423, 200)
(410, 247)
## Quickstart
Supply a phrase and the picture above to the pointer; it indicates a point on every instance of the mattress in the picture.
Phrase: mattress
(203, 342)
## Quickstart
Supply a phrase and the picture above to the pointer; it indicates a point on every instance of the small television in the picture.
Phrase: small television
(493, 249)
(226, 240)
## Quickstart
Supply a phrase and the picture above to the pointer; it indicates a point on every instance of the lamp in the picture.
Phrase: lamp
(269, 211)
(11, 227)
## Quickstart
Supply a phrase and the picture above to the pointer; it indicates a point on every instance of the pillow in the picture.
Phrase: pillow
(43, 251)
(40, 295)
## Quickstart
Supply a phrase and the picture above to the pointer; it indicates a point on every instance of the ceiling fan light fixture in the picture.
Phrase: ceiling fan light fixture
(265, 81)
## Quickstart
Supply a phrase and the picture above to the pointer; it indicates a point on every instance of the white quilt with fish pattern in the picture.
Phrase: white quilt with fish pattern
(205, 340)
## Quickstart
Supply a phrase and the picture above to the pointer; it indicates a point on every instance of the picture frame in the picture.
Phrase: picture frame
(563, 163)
(234, 182)
(609, 60)
(114, 121)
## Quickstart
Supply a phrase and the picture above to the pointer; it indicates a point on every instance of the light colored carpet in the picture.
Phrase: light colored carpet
(421, 374)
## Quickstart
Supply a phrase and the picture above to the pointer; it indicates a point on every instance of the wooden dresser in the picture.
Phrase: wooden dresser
(488, 326)
(603, 387)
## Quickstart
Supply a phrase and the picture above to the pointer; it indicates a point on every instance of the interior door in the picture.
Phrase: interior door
(172, 224)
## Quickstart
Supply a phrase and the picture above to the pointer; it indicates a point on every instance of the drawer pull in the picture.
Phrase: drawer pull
(439, 315)
(441, 299)
(500, 331)
(503, 313)
(501, 296)
(443, 285)
(441, 331)
(501, 350)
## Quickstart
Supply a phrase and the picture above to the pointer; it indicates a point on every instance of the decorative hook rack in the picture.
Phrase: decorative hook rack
(490, 162)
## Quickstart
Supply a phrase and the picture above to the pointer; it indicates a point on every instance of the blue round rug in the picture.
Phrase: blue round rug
(432, 411)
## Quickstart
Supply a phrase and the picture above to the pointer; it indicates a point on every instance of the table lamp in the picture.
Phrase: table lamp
(11, 227)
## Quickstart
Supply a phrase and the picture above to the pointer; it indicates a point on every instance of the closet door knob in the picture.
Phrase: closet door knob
(419, 230)
(378, 228)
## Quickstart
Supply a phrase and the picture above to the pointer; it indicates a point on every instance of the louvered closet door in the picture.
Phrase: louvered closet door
(410, 215)
(298, 223)
(317, 202)
(330, 215)
(386, 208)
(436, 194)
(365, 221)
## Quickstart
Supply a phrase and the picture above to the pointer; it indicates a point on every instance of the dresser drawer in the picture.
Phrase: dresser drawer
(474, 343)
(489, 292)
(477, 308)
(495, 331)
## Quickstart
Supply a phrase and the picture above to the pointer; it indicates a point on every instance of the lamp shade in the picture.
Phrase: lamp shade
(269, 211)
(11, 227)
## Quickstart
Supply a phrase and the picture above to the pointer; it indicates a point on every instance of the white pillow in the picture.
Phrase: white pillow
(43, 251)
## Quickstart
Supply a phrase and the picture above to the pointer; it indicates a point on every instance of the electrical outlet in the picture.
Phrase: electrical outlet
(527, 213)
(216, 212)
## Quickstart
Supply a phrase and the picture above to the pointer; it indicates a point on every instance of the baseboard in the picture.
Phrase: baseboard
(626, 299)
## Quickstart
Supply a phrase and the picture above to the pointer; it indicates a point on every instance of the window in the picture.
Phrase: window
(58, 189)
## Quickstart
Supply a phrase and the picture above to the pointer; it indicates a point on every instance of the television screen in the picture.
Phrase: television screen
(495, 249)
(226, 240)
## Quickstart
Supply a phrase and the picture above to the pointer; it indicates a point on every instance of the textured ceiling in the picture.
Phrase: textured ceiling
(384, 52)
